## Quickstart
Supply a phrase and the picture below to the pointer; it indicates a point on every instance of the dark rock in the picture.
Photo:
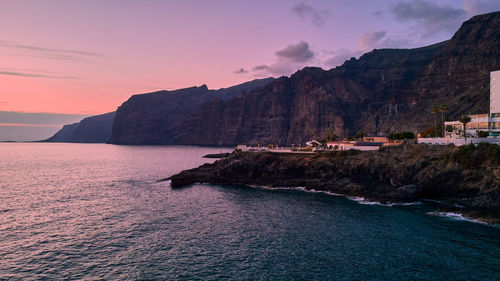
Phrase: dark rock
(94, 129)
(423, 172)
(158, 118)
(217, 155)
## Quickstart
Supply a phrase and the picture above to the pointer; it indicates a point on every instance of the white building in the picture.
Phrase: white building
(489, 123)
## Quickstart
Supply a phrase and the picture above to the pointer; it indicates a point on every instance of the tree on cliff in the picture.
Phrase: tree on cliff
(434, 110)
(464, 120)
(443, 109)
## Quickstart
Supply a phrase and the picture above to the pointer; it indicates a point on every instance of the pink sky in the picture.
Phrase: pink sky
(87, 57)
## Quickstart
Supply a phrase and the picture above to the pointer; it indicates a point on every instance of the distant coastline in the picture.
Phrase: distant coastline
(463, 180)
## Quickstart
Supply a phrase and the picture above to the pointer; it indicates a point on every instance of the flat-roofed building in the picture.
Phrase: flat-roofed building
(481, 122)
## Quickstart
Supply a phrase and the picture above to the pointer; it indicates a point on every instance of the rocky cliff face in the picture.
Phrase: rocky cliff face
(383, 91)
(94, 129)
(157, 118)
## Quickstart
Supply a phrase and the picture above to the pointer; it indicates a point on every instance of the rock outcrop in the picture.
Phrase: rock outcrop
(465, 179)
(94, 129)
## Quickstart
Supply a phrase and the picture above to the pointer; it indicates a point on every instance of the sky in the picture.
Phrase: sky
(74, 58)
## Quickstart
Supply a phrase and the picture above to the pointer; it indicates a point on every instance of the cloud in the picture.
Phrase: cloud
(370, 39)
(10, 73)
(278, 68)
(299, 52)
(260, 67)
(12, 117)
(431, 17)
(476, 7)
(51, 50)
(289, 59)
(241, 71)
(379, 39)
(340, 56)
(308, 12)
(52, 53)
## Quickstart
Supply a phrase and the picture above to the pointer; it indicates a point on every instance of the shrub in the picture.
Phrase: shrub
(471, 156)
(482, 134)
(402, 136)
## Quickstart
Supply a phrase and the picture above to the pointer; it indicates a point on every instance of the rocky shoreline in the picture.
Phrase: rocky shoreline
(464, 180)
(217, 155)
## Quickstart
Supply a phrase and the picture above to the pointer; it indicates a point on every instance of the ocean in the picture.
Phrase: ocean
(97, 212)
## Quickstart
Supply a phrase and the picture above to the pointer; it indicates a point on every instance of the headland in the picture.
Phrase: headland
(462, 179)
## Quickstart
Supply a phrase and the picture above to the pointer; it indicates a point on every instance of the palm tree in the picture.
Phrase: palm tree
(329, 133)
(434, 110)
(443, 109)
(464, 120)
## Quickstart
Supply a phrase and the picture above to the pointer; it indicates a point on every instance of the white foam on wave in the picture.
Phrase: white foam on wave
(325, 192)
(360, 200)
(455, 216)
(364, 201)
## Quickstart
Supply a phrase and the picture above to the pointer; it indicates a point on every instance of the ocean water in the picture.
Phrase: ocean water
(96, 212)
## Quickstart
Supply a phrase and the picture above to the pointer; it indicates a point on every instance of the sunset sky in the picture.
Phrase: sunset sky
(79, 58)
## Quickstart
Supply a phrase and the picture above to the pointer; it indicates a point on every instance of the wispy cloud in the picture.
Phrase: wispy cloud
(379, 39)
(31, 125)
(370, 39)
(52, 53)
(241, 71)
(307, 12)
(37, 119)
(338, 57)
(430, 17)
(23, 74)
(475, 7)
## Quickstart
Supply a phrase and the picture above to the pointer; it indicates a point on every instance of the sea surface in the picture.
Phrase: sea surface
(97, 212)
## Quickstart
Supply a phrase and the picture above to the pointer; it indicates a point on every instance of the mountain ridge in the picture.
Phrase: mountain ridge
(385, 90)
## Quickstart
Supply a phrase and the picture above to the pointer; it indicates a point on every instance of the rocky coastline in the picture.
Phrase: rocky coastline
(464, 180)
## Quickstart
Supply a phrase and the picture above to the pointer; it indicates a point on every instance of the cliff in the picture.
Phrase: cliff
(383, 91)
(465, 179)
(94, 129)
(157, 118)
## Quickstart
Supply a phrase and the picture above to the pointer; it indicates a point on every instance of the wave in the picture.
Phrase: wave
(455, 216)
(360, 200)
(364, 201)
